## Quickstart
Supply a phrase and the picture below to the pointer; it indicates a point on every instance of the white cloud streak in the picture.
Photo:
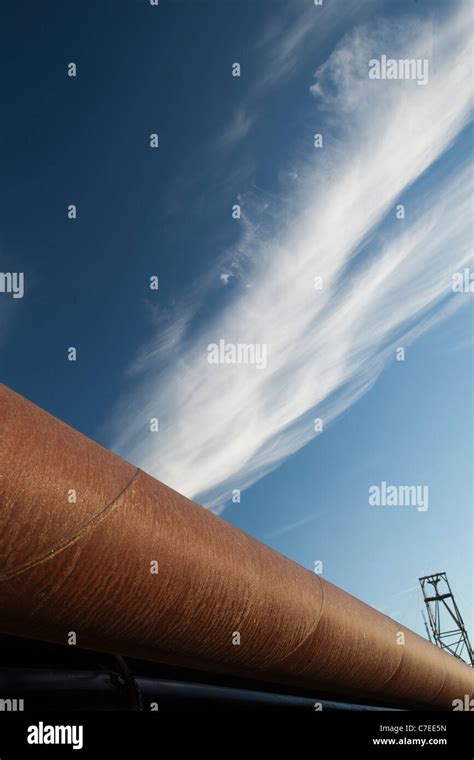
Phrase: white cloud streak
(292, 526)
(224, 427)
(293, 31)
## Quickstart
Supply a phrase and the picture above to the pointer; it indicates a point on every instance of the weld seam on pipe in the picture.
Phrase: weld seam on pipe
(69, 540)
(313, 630)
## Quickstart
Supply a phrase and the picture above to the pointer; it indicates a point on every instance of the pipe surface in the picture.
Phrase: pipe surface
(85, 566)
(61, 689)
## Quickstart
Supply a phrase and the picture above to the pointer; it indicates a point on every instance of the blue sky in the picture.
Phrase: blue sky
(305, 212)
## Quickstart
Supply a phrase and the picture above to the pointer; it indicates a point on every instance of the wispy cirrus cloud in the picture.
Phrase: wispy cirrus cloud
(292, 526)
(292, 33)
(384, 283)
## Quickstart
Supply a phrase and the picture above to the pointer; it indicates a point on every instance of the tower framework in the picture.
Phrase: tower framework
(447, 626)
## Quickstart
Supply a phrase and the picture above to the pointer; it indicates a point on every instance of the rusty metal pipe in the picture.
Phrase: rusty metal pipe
(81, 529)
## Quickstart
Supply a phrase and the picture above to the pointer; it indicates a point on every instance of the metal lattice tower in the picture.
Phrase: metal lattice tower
(442, 612)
